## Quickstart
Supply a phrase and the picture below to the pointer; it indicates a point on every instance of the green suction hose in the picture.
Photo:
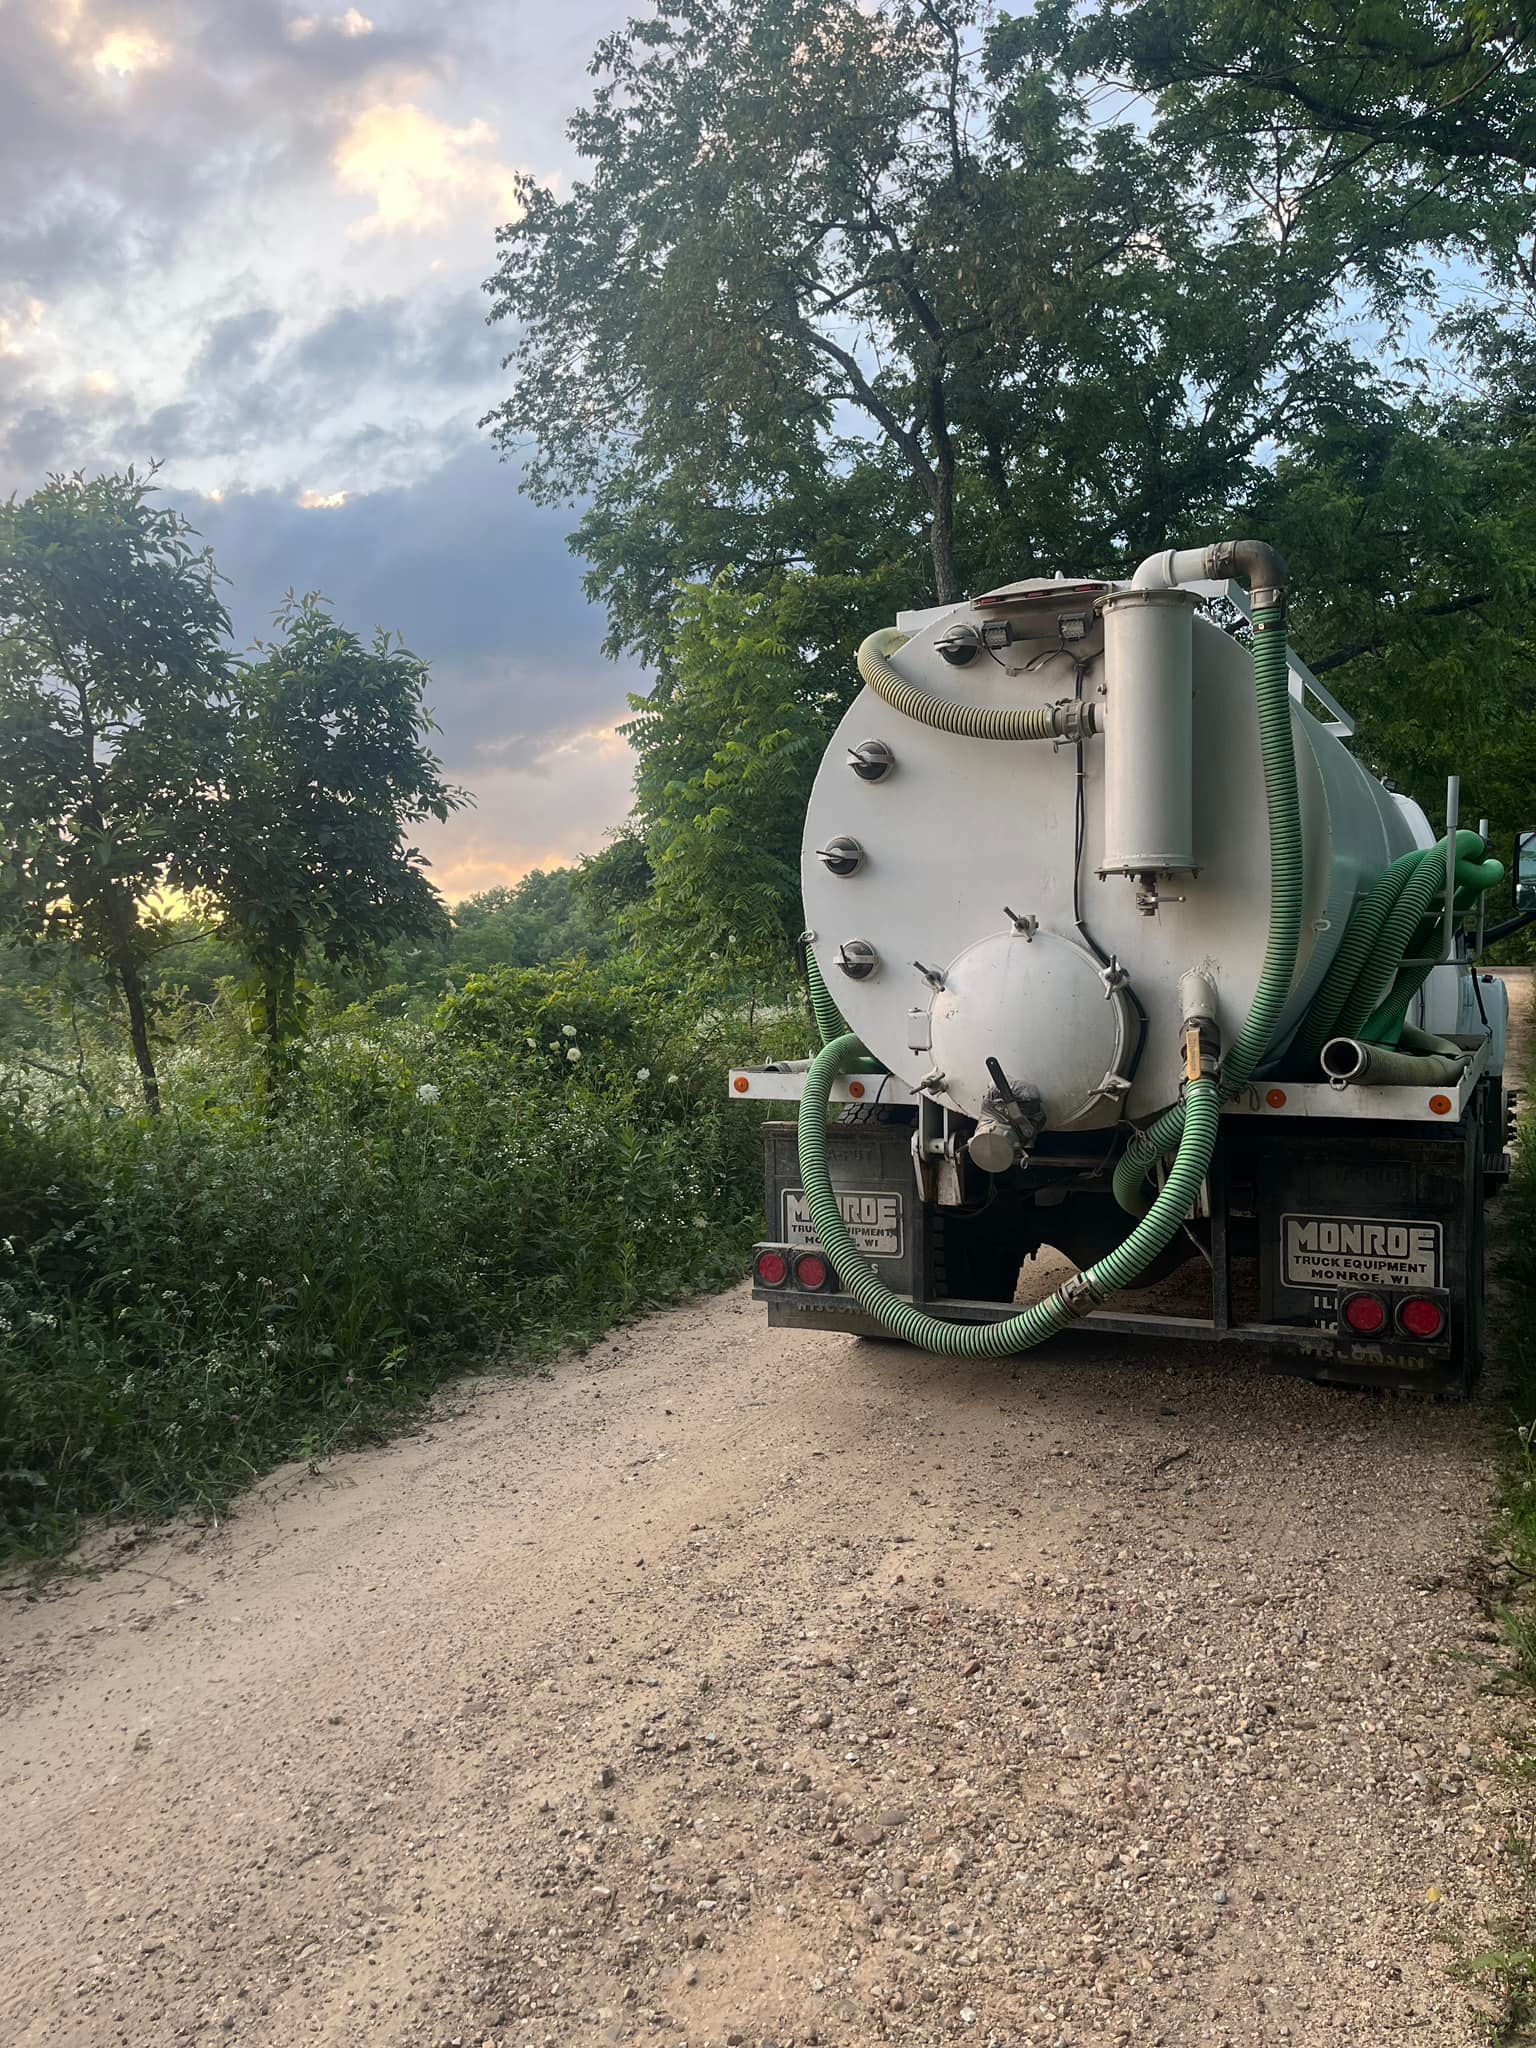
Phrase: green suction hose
(1276, 743)
(829, 1019)
(1067, 720)
(1361, 938)
(1022, 1332)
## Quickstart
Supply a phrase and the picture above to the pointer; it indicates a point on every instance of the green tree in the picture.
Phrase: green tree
(113, 678)
(726, 758)
(1427, 83)
(327, 768)
(531, 923)
(839, 280)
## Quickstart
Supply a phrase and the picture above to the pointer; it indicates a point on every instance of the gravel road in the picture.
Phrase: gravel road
(728, 1687)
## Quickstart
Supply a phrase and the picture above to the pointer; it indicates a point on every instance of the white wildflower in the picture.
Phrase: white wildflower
(642, 1073)
(573, 1052)
(567, 1030)
(672, 1080)
(428, 1091)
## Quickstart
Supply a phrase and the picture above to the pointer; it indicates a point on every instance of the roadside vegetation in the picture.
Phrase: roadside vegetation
(190, 1298)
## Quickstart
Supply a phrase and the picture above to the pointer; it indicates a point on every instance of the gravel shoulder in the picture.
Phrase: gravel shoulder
(726, 1686)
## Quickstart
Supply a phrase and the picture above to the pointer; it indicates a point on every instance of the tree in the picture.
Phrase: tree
(326, 769)
(113, 678)
(532, 923)
(726, 758)
(822, 246)
(1427, 82)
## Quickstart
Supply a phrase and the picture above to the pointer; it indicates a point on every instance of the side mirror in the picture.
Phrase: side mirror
(1525, 871)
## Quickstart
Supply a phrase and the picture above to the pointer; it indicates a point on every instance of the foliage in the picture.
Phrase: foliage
(905, 270)
(1415, 86)
(185, 1302)
(727, 755)
(112, 683)
(1504, 1962)
(542, 918)
(1427, 635)
(325, 770)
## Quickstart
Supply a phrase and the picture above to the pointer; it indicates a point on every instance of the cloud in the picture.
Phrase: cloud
(476, 578)
(421, 172)
(559, 805)
(352, 23)
(263, 391)
(127, 50)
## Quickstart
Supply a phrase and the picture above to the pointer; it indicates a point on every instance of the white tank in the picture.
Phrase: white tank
(954, 906)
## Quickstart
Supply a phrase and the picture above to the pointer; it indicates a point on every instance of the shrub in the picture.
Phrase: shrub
(186, 1302)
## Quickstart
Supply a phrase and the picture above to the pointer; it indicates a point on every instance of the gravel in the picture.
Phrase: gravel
(938, 1713)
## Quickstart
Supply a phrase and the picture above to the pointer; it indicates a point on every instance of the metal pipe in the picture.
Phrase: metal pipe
(1482, 901)
(1253, 562)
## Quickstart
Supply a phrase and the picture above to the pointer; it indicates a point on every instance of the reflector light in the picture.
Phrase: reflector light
(1441, 1105)
(1420, 1317)
(772, 1269)
(811, 1270)
(741, 1084)
(1365, 1314)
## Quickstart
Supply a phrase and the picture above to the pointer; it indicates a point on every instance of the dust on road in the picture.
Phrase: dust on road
(740, 1687)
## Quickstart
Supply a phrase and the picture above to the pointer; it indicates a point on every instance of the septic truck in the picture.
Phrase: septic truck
(1123, 964)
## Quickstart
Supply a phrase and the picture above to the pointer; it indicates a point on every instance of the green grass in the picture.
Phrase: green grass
(1503, 1962)
(186, 1302)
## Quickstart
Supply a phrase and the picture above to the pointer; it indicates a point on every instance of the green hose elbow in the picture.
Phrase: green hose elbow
(1067, 720)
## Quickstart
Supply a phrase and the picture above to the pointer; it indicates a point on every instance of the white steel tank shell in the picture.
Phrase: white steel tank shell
(967, 844)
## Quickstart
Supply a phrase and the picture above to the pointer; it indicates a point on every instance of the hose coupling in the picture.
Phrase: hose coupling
(1081, 1295)
(1075, 721)
(1199, 1034)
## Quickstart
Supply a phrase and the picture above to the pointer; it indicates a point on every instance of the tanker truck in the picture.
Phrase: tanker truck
(1145, 1009)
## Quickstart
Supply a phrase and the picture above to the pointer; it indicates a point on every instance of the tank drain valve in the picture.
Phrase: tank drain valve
(1200, 1036)
(858, 959)
(1010, 1122)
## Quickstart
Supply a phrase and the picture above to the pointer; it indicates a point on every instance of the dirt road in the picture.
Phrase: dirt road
(729, 1688)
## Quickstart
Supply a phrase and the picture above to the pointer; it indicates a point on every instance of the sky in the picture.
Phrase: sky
(246, 239)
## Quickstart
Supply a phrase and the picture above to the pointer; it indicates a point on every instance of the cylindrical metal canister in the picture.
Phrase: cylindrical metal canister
(1149, 797)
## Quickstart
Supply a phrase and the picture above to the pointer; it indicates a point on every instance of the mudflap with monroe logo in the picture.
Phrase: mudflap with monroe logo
(1370, 1242)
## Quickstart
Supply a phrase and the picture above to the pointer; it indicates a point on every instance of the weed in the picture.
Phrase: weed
(186, 1302)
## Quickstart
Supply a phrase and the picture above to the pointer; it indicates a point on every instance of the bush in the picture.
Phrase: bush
(187, 1301)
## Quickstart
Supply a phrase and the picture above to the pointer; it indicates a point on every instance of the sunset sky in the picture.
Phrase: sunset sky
(246, 239)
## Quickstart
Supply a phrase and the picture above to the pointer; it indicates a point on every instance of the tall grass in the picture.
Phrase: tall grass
(184, 1303)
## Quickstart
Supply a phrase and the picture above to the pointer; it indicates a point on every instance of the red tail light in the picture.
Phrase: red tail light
(1421, 1317)
(771, 1268)
(1365, 1314)
(812, 1271)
